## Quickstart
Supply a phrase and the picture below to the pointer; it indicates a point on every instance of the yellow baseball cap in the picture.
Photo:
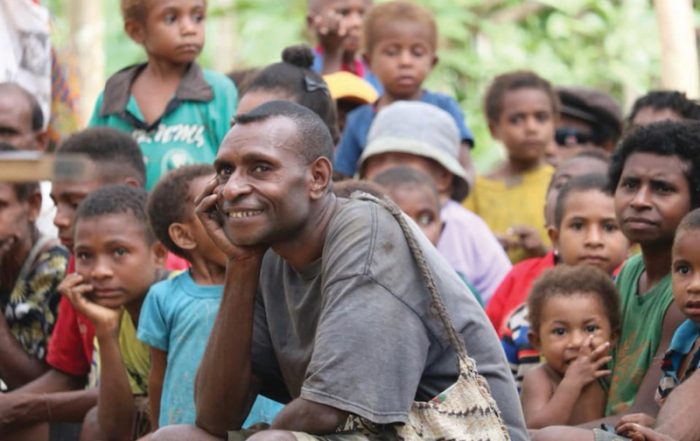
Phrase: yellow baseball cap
(345, 85)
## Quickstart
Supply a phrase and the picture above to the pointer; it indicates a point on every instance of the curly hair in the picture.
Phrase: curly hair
(568, 281)
(116, 199)
(672, 100)
(170, 201)
(511, 81)
(667, 138)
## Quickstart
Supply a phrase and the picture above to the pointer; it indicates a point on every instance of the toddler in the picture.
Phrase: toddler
(575, 317)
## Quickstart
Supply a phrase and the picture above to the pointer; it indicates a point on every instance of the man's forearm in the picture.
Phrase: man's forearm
(20, 408)
(678, 416)
(116, 409)
(224, 380)
(302, 415)
(16, 366)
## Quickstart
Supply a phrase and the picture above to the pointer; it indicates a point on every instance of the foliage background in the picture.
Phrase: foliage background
(612, 45)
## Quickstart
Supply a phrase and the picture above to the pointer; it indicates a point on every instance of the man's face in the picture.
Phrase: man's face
(16, 220)
(263, 183)
(16, 122)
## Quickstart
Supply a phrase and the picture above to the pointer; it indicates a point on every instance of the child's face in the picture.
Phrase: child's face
(343, 15)
(113, 255)
(422, 205)
(204, 245)
(16, 220)
(569, 169)
(566, 323)
(67, 195)
(589, 232)
(652, 197)
(402, 57)
(173, 30)
(526, 124)
(685, 274)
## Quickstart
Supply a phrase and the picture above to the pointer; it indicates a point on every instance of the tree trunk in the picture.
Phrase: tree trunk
(679, 51)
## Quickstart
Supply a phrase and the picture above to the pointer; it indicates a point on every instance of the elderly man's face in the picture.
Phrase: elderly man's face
(263, 183)
(16, 122)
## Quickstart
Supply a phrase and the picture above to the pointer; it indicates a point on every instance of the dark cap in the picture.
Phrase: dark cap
(594, 107)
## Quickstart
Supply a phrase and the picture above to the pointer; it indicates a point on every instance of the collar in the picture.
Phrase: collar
(684, 337)
(192, 87)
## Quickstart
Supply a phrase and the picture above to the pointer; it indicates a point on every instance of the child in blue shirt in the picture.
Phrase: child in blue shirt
(401, 40)
(176, 111)
(178, 314)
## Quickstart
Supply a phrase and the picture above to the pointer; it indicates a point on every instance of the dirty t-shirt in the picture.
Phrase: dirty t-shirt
(354, 330)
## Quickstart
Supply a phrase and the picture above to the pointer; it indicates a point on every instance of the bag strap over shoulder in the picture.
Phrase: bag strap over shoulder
(437, 304)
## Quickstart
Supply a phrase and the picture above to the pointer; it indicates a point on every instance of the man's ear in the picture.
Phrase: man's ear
(321, 171)
(34, 203)
(181, 235)
(534, 339)
(134, 29)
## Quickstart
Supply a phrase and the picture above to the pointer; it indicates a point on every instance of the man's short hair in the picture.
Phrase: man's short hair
(115, 154)
(667, 138)
(170, 202)
(672, 100)
(23, 190)
(36, 115)
(314, 140)
(116, 199)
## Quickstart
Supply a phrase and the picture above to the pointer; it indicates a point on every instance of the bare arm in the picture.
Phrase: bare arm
(302, 415)
(159, 363)
(678, 417)
(16, 366)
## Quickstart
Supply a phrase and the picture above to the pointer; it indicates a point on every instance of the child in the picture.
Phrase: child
(425, 138)
(117, 260)
(32, 267)
(683, 356)
(177, 112)
(400, 43)
(415, 193)
(575, 317)
(292, 80)
(178, 313)
(584, 231)
(663, 105)
(521, 109)
(656, 176)
(337, 26)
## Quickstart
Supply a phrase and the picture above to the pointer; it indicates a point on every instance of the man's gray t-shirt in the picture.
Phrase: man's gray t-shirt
(355, 330)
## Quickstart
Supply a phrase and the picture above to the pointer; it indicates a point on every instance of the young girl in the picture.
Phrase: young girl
(522, 109)
(575, 317)
(683, 356)
(584, 231)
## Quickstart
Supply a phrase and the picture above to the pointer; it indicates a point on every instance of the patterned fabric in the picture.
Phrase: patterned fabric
(521, 355)
(30, 309)
(682, 343)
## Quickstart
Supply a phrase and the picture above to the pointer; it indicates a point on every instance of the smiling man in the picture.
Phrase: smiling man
(323, 307)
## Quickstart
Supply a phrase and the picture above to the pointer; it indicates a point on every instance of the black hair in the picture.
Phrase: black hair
(690, 222)
(115, 153)
(672, 100)
(170, 202)
(401, 176)
(667, 138)
(23, 190)
(293, 77)
(511, 81)
(578, 184)
(314, 140)
(113, 200)
(567, 281)
(36, 115)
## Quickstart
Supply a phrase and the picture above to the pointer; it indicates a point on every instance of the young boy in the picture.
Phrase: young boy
(400, 43)
(424, 137)
(575, 318)
(176, 111)
(337, 27)
(521, 109)
(32, 267)
(112, 157)
(117, 260)
(178, 314)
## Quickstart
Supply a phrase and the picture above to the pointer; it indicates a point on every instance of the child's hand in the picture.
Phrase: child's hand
(106, 320)
(331, 30)
(637, 432)
(524, 237)
(638, 418)
(212, 219)
(590, 364)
